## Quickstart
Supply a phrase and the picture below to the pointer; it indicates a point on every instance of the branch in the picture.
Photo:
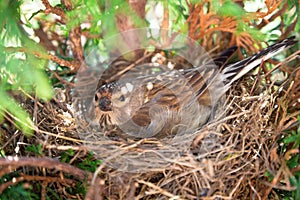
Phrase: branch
(73, 65)
(55, 10)
(14, 162)
(75, 39)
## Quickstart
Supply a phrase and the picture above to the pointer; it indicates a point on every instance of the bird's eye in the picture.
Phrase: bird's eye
(96, 97)
(122, 98)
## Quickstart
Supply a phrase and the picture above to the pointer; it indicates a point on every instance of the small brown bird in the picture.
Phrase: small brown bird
(173, 101)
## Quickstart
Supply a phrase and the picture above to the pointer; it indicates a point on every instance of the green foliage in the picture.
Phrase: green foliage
(20, 68)
(8, 18)
(17, 192)
(80, 188)
(36, 149)
(89, 163)
(272, 30)
(178, 13)
(293, 138)
(66, 156)
(83, 10)
(10, 105)
(269, 176)
(232, 9)
(292, 141)
(52, 194)
(229, 8)
(254, 32)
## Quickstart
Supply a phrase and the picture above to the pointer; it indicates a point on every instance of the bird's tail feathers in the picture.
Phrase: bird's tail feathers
(236, 70)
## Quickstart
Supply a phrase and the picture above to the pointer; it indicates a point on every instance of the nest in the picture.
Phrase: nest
(225, 159)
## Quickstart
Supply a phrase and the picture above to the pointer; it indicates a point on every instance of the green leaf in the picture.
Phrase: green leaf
(36, 149)
(89, 163)
(22, 119)
(229, 8)
(19, 67)
(9, 17)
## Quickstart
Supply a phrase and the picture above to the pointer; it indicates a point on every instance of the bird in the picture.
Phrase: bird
(172, 102)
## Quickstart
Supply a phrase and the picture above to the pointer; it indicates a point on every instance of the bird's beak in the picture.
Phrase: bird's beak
(105, 104)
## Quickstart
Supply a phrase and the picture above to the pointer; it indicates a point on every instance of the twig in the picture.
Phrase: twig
(287, 60)
(66, 148)
(70, 64)
(63, 81)
(162, 191)
(73, 65)
(258, 78)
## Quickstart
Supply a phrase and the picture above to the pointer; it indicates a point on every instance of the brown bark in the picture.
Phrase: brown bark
(125, 22)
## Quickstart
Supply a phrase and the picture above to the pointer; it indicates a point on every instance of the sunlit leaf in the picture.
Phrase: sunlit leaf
(229, 8)
(21, 118)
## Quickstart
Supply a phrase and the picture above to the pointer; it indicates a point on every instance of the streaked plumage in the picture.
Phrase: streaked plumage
(172, 101)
